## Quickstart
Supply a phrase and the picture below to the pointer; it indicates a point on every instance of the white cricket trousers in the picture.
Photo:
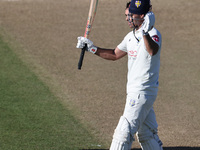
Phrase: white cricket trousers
(141, 116)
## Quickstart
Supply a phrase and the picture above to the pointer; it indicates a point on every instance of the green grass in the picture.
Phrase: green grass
(31, 117)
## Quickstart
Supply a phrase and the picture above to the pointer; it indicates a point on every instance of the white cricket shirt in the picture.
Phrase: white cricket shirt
(143, 69)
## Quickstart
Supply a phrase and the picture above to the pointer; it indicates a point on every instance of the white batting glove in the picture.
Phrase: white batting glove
(149, 21)
(90, 47)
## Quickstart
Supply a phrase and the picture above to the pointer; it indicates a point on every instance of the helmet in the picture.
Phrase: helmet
(139, 6)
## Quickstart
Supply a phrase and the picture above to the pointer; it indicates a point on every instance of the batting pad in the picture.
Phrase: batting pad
(150, 144)
(122, 139)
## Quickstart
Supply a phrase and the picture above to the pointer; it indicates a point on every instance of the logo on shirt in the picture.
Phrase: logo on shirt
(155, 38)
(132, 53)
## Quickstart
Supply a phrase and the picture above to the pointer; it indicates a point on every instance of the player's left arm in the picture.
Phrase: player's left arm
(151, 46)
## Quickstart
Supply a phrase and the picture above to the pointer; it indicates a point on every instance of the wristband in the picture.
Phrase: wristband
(93, 49)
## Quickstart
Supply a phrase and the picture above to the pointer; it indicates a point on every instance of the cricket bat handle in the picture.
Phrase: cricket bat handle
(81, 57)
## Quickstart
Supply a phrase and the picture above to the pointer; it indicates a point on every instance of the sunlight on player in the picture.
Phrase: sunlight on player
(143, 47)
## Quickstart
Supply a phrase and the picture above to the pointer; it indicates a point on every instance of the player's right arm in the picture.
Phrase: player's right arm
(109, 54)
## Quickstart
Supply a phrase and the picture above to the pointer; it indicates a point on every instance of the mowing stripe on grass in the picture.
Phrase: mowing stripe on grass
(31, 117)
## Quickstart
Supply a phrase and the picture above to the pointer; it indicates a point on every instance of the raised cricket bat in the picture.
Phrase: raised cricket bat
(90, 20)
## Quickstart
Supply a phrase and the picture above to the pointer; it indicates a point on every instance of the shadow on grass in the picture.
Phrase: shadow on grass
(165, 148)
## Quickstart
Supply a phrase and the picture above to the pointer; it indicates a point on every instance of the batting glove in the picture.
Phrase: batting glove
(82, 41)
(149, 21)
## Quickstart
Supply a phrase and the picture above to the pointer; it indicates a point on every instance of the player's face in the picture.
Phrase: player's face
(136, 20)
(126, 14)
(127, 18)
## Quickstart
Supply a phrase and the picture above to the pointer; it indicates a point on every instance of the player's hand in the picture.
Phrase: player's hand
(82, 41)
(149, 21)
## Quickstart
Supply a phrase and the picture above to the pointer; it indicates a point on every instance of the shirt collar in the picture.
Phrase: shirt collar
(138, 31)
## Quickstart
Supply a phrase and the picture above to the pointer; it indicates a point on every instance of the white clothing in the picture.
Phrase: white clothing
(139, 113)
(143, 69)
(142, 88)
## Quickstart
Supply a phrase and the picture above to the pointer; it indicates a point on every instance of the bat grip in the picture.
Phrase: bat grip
(81, 57)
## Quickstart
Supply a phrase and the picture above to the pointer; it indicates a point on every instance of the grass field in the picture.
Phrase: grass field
(31, 117)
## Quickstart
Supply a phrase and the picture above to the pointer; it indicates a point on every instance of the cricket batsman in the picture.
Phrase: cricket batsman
(143, 47)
